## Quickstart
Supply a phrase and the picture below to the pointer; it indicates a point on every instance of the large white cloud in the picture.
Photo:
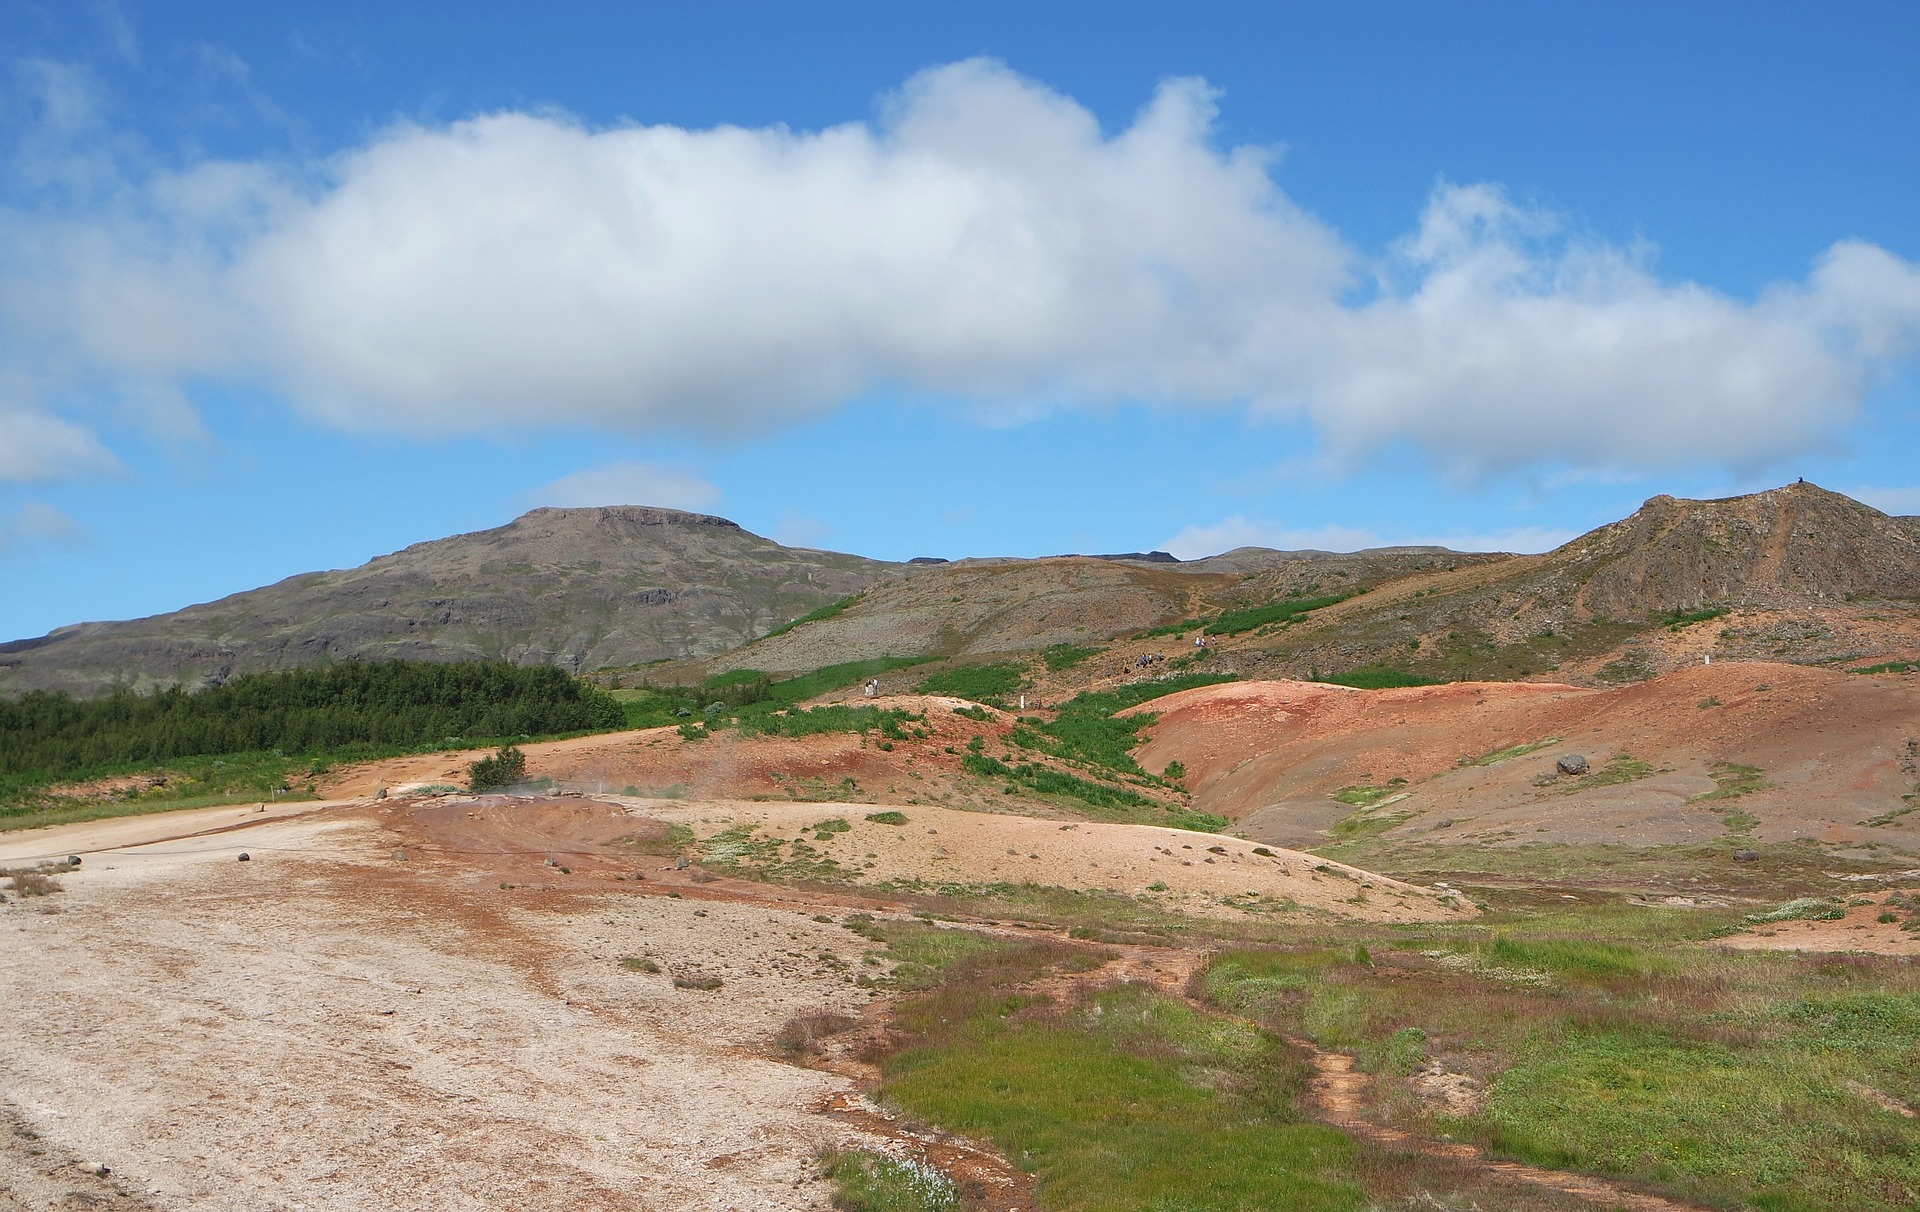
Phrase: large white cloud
(982, 239)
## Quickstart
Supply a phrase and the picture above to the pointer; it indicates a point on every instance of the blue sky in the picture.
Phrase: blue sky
(285, 287)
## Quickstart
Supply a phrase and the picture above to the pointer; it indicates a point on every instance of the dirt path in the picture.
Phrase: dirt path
(1338, 1094)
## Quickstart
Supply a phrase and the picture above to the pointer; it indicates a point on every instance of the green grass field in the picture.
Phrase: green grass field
(1615, 1042)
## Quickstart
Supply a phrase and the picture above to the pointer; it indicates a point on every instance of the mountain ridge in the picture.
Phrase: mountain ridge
(602, 590)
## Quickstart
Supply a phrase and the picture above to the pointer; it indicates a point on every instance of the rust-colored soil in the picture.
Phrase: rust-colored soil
(658, 762)
(1836, 754)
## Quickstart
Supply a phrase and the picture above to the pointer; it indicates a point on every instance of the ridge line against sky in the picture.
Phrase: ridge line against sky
(1018, 322)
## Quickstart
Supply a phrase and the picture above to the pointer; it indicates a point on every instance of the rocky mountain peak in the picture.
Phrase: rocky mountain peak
(1798, 542)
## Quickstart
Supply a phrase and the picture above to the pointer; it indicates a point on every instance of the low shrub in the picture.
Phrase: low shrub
(505, 768)
(801, 1032)
(1233, 622)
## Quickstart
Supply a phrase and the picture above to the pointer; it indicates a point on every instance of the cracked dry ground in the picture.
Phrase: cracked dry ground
(329, 1026)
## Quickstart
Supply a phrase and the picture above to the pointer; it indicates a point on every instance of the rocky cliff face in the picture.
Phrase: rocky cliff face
(579, 588)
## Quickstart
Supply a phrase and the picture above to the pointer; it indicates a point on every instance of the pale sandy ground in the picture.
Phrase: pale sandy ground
(57, 841)
(1857, 931)
(953, 846)
(325, 1028)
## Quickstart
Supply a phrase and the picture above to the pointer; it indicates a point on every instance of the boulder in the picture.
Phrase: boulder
(1571, 763)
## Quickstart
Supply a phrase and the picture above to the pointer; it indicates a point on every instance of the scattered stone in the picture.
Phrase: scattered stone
(699, 913)
(1745, 856)
(245, 857)
(97, 1169)
(73, 860)
(1445, 822)
(399, 856)
(1571, 763)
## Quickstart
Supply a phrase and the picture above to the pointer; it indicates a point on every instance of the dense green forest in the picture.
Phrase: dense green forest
(311, 711)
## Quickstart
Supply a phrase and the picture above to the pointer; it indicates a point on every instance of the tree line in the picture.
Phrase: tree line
(389, 703)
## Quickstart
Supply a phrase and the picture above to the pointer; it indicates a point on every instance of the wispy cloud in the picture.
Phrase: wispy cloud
(34, 524)
(796, 530)
(628, 483)
(36, 446)
(981, 240)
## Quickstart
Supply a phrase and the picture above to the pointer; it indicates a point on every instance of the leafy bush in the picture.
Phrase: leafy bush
(989, 684)
(1087, 727)
(738, 687)
(503, 769)
(887, 818)
(1118, 801)
(831, 718)
(833, 677)
(1233, 622)
(1676, 619)
(825, 612)
(1065, 656)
